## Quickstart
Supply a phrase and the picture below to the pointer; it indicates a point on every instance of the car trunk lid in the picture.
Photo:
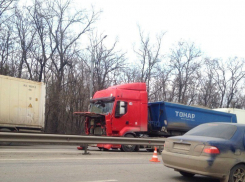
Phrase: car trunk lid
(186, 145)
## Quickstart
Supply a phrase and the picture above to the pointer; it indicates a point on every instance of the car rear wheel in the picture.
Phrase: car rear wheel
(186, 174)
(237, 173)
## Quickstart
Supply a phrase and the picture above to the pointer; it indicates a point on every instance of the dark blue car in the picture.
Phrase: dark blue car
(213, 149)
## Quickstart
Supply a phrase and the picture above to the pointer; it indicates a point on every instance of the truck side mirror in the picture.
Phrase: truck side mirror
(121, 109)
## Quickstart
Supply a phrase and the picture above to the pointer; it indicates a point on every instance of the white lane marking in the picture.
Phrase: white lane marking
(60, 159)
(110, 180)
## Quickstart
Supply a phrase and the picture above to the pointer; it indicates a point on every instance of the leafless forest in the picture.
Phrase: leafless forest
(42, 41)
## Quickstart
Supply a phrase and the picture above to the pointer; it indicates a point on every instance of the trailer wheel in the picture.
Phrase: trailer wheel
(129, 148)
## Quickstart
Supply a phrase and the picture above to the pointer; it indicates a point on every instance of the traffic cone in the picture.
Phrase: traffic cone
(154, 157)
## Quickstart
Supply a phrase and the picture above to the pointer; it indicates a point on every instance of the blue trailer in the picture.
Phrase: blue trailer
(168, 119)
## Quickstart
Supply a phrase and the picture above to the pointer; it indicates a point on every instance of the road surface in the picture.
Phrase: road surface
(57, 163)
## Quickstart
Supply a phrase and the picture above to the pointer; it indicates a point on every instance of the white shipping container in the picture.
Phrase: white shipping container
(240, 113)
(22, 103)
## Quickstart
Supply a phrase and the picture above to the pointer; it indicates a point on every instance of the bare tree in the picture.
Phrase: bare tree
(63, 42)
(149, 55)
(5, 6)
(236, 68)
(184, 61)
(6, 49)
(208, 93)
(107, 62)
(76, 95)
(239, 102)
(26, 36)
(221, 80)
(43, 42)
(129, 74)
(6, 35)
(42, 51)
(161, 84)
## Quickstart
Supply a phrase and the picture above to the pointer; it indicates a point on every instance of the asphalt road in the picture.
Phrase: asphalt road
(66, 163)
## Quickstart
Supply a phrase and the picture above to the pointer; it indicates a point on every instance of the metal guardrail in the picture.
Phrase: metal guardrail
(76, 139)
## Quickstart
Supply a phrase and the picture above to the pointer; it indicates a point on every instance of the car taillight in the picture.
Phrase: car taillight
(211, 150)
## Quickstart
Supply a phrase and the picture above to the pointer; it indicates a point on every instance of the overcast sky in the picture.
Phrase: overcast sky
(216, 26)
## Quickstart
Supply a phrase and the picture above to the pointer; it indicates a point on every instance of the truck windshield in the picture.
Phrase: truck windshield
(101, 107)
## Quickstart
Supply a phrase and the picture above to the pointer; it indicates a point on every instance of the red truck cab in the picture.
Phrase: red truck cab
(118, 111)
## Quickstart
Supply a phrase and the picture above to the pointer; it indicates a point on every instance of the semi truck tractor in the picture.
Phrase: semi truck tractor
(22, 105)
(123, 110)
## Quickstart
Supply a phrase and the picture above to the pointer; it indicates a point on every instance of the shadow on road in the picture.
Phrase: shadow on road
(195, 179)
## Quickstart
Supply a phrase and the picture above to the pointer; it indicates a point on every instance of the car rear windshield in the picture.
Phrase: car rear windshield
(215, 130)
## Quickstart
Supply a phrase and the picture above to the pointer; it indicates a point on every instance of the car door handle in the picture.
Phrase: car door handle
(127, 122)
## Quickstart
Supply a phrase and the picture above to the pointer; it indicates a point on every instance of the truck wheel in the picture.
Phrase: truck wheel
(237, 173)
(186, 174)
(128, 148)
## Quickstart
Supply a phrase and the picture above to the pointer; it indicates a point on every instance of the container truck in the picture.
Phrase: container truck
(123, 110)
(22, 105)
